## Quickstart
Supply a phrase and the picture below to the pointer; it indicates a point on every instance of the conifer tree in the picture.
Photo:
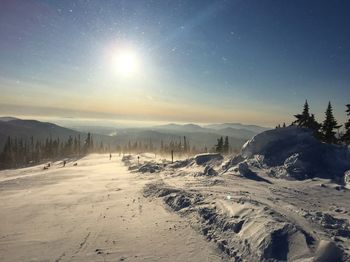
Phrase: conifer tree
(346, 137)
(328, 126)
(314, 126)
(226, 145)
(303, 118)
(185, 145)
(220, 145)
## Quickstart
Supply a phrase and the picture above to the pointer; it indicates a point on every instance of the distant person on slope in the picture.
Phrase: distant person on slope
(110, 156)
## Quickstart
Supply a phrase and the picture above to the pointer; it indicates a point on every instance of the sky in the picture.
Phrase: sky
(192, 61)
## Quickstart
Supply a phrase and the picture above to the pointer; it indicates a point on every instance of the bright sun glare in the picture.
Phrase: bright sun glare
(126, 63)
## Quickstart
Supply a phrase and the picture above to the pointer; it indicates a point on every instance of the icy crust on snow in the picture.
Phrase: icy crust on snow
(293, 152)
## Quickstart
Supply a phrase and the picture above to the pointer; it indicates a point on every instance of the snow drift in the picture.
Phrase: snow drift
(202, 159)
(293, 152)
(251, 216)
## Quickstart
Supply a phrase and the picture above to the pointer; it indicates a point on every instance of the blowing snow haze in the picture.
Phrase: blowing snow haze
(175, 130)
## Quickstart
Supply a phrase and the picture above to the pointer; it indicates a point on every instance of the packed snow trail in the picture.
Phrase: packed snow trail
(94, 211)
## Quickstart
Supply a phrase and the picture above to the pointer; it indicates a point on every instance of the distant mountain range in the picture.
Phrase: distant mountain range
(235, 130)
(7, 118)
(31, 128)
(253, 128)
(199, 136)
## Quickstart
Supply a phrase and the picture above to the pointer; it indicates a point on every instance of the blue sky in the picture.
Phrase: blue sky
(200, 61)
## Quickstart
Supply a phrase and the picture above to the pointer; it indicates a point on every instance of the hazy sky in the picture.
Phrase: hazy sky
(196, 61)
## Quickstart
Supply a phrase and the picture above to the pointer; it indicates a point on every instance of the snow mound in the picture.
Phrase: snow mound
(181, 163)
(150, 167)
(337, 226)
(202, 159)
(294, 152)
(244, 229)
(209, 171)
(242, 169)
(328, 251)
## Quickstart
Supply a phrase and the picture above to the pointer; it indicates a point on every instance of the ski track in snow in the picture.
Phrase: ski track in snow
(91, 212)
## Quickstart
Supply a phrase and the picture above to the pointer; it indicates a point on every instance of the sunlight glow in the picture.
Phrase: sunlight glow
(126, 63)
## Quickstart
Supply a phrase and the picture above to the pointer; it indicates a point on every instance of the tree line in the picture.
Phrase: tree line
(222, 146)
(19, 152)
(328, 130)
(180, 146)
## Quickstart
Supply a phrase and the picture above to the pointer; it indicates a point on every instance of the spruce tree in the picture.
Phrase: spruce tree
(185, 145)
(220, 145)
(346, 137)
(304, 117)
(226, 145)
(314, 126)
(328, 126)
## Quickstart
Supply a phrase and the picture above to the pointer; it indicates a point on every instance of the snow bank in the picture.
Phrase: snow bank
(246, 230)
(181, 163)
(242, 169)
(150, 167)
(294, 152)
(209, 171)
(202, 159)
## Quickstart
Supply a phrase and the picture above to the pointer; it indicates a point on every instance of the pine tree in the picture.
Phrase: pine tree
(314, 126)
(220, 145)
(185, 145)
(346, 137)
(87, 143)
(226, 145)
(161, 146)
(328, 126)
(304, 117)
(7, 155)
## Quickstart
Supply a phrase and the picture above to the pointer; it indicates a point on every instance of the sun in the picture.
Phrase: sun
(126, 63)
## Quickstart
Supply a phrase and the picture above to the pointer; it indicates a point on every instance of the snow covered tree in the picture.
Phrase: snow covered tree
(328, 126)
(346, 137)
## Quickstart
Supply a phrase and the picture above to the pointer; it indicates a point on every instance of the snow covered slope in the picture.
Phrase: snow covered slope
(252, 216)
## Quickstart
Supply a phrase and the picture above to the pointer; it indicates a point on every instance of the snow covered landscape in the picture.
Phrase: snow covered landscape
(205, 208)
(175, 131)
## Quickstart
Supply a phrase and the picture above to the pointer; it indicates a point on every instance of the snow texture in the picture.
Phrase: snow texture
(293, 152)
(205, 158)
